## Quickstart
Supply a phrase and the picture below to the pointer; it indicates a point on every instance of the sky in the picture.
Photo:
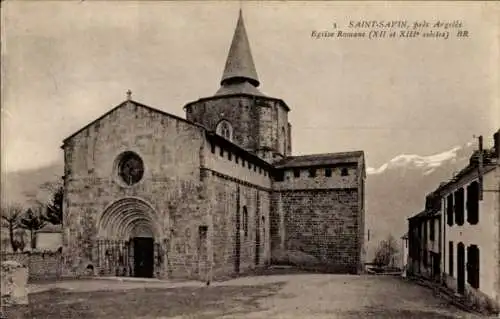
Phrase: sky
(65, 63)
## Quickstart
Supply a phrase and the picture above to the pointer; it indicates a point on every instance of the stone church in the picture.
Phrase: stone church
(149, 194)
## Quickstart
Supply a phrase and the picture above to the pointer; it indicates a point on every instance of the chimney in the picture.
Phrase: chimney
(496, 144)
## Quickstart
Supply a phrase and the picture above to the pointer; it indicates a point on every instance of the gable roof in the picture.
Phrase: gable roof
(472, 168)
(137, 104)
(320, 159)
(211, 135)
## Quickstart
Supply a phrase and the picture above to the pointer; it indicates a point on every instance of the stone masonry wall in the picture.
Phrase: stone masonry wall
(229, 199)
(170, 149)
(41, 265)
(325, 225)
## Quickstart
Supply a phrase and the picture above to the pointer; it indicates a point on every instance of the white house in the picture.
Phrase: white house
(470, 204)
(49, 238)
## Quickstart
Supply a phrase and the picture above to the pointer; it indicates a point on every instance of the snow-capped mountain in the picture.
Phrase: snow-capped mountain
(396, 190)
(426, 163)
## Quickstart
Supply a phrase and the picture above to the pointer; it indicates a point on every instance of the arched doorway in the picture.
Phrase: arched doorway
(126, 246)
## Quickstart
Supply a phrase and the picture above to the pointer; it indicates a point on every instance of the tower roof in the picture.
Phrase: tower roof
(239, 64)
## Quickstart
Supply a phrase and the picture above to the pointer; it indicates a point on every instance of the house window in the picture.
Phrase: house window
(449, 210)
(344, 172)
(424, 257)
(450, 258)
(473, 203)
(328, 172)
(424, 242)
(296, 173)
(473, 266)
(225, 130)
(221, 153)
(212, 148)
(459, 206)
(312, 172)
(236, 159)
(432, 230)
(245, 221)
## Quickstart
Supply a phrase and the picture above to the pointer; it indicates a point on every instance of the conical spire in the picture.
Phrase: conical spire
(239, 64)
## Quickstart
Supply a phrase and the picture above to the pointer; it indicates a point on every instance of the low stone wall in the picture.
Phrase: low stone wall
(41, 265)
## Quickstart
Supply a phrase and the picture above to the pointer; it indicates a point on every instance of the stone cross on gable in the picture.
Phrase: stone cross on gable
(129, 95)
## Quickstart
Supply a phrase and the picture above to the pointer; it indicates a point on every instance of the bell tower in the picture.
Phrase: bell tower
(239, 111)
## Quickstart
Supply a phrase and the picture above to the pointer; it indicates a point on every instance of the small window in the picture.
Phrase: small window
(344, 172)
(312, 172)
(212, 147)
(202, 231)
(260, 170)
(221, 153)
(229, 156)
(255, 168)
(249, 165)
(243, 162)
(265, 173)
(225, 130)
(245, 221)
(328, 172)
(236, 159)
(279, 176)
(296, 173)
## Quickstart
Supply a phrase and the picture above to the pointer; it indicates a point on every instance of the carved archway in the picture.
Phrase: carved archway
(128, 239)
(126, 218)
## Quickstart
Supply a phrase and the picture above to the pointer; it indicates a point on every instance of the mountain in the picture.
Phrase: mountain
(24, 186)
(396, 190)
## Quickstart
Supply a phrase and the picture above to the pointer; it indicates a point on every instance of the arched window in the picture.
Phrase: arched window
(245, 221)
(225, 130)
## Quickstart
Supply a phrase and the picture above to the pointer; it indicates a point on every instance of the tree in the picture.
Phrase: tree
(387, 249)
(53, 213)
(11, 215)
(20, 239)
(32, 221)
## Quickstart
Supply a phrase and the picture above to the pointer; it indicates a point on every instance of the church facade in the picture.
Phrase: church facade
(149, 194)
